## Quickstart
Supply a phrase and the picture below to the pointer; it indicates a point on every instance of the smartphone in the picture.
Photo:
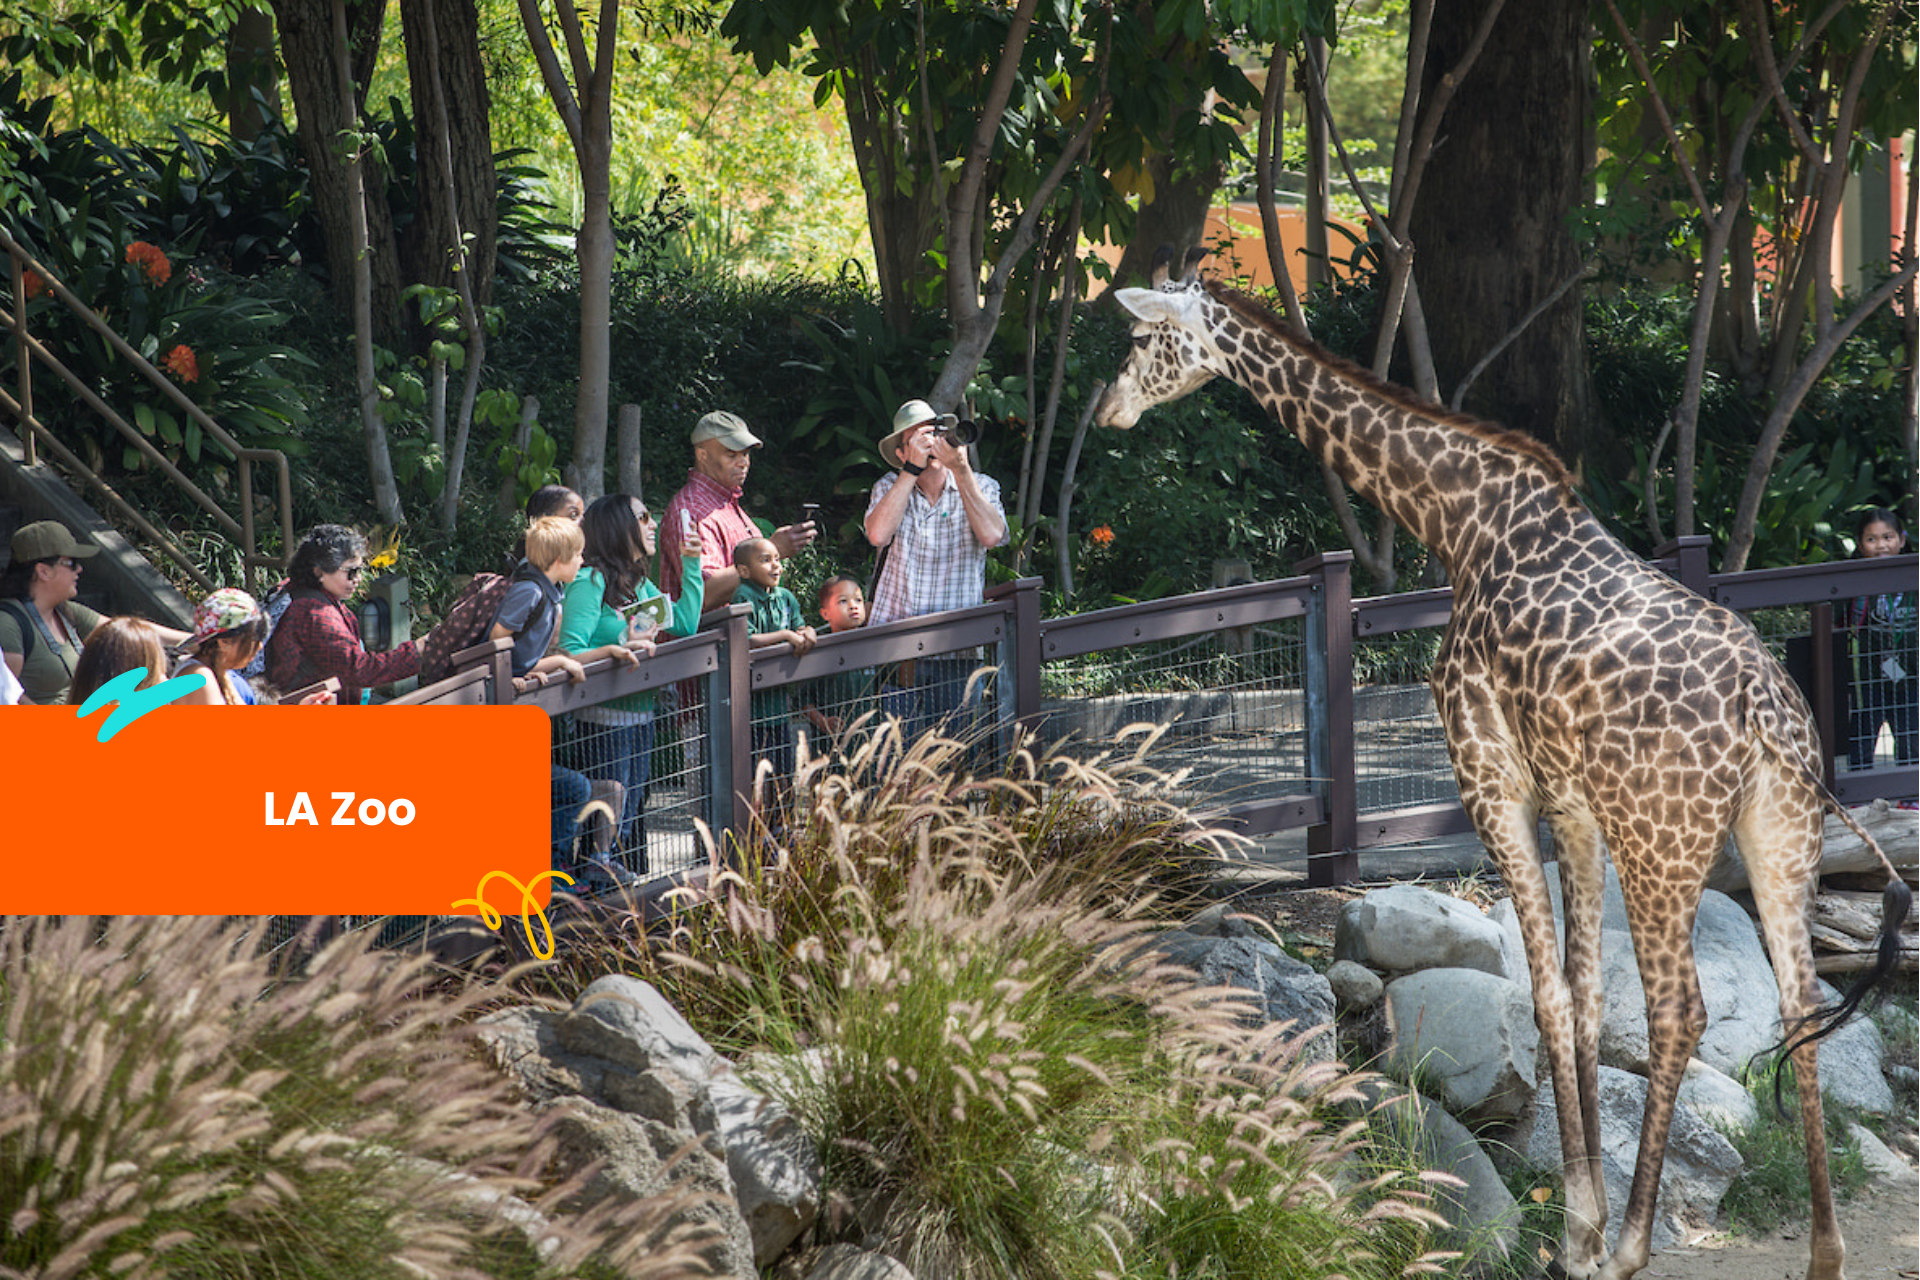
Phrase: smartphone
(686, 525)
(809, 512)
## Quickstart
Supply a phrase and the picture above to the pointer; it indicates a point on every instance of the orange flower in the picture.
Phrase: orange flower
(35, 285)
(151, 261)
(182, 363)
(1101, 534)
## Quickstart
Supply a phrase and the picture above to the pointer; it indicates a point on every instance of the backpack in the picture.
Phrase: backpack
(467, 623)
(27, 627)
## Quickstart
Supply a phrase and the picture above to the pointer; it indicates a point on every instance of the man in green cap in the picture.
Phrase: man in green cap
(710, 502)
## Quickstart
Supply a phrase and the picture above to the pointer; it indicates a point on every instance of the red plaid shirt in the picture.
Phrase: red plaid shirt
(319, 637)
(715, 511)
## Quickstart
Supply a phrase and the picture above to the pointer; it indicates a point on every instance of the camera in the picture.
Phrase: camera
(958, 432)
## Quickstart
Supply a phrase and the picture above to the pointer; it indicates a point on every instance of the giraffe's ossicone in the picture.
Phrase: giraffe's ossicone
(1576, 684)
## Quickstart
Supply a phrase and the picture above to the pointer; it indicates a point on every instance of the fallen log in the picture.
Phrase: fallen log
(1897, 831)
(1856, 961)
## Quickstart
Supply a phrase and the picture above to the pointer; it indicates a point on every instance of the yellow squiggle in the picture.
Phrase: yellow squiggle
(491, 917)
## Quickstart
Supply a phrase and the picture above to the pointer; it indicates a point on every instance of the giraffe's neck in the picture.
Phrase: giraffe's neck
(1450, 482)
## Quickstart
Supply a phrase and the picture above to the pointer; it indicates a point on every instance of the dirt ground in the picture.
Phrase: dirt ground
(1881, 1226)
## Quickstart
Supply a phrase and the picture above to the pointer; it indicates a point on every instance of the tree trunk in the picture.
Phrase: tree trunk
(462, 79)
(250, 72)
(306, 46)
(903, 217)
(1491, 231)
(1176, 215)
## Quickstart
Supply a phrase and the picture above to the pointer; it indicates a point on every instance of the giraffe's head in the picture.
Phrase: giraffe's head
(1173, 352)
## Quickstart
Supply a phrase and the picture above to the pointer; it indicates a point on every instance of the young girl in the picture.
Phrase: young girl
(1886, 654)
(228, 629)
(615, 738)
(117, 645)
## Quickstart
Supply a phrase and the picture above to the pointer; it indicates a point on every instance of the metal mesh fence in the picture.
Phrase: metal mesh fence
(1231, 698)
(1400, 751)
(1876, 717)
(648, 767)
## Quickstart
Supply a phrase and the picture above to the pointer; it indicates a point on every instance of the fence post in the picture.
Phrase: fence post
(1690, 562)
(1825, 721)
(1331, 858)
(729, 733)
(1019, 659)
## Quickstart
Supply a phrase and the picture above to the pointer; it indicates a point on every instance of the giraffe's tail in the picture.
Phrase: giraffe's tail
(1896, 899)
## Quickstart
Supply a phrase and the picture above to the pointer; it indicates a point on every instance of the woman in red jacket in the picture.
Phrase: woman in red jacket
(319, 634)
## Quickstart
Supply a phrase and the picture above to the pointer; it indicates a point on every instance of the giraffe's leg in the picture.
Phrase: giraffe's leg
(1782, 850)
(1662, 886)
(1508, 831)
(1582, 883)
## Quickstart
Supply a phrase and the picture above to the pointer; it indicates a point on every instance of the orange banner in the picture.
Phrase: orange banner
(275, 811)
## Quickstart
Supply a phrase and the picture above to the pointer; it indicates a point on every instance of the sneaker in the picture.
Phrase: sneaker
(599, 876)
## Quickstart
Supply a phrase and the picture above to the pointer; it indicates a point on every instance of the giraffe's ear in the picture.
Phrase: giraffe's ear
(1150, 305)
(1190, 267)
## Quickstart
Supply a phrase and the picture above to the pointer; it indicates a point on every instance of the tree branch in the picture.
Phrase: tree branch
(1272, 127)
(966, 193)
(564, 103)
(1585, 272)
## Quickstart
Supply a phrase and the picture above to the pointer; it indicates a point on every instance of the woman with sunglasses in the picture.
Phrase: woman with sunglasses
(42, 625)
(319, 634)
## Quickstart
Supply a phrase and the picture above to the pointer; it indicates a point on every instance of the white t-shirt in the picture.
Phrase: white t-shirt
(10, 688)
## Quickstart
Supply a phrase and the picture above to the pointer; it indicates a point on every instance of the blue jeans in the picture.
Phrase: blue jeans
(570, 792)
(937, 700)
(620, 753)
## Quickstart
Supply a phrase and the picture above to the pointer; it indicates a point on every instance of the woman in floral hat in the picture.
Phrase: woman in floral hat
(229, 627)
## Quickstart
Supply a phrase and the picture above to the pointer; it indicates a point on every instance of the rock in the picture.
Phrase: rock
(1700, 1163)
(1285, 989)
(776, 1171)
(844, 1262)
(1404, 928)
(1481, 1215)
(1853, 1064)
(1880, 1160)
(1221, 921)
(634, 1156)
(1717, 1098)
(1467, 1035)
(1354, 986)
(626, 1021)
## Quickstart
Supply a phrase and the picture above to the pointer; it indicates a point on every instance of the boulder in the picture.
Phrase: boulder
(1853, 1064)
(1285, 989)
(626, 1021)
(1404, 928)
(1467, 1036)
(1482, 1220)
(1881, 1161)
(1700, 1163)
(1354, 986)
(629, 1155)
(776, 1172)
(844, 1262)
(1221, 921)
(1717, 1098)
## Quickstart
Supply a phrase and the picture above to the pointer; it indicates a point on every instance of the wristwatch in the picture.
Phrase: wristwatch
(909, 468)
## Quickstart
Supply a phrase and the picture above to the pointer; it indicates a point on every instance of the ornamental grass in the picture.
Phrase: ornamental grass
(949, 981)
(173, 1105)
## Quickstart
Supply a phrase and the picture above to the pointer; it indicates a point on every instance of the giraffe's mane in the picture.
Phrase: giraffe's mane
(1257, 313)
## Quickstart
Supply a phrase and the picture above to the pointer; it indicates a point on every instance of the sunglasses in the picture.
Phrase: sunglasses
(353, 572)
(67, 562)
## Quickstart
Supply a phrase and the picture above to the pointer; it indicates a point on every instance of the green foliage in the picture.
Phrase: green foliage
(1772, 1187)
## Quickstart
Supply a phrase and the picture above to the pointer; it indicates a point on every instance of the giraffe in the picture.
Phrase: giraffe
(1578, 684)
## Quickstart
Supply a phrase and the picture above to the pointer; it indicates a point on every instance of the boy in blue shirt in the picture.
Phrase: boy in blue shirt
(776, 619)
(530, 614)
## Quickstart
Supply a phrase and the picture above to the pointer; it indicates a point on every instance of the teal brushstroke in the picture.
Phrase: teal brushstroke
(134, 701)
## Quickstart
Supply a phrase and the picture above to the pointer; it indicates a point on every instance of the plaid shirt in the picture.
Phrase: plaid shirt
(716, 513)
(318, 637)
(935, 563)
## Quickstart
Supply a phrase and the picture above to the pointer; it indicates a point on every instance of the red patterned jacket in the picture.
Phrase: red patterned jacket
(318, 637)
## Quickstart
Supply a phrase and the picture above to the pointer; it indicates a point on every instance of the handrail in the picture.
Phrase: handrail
(28, 349)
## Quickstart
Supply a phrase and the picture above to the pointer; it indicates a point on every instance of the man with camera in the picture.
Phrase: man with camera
(935, 530)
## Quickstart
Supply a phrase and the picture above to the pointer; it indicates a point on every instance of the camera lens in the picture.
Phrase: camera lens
(961, 433)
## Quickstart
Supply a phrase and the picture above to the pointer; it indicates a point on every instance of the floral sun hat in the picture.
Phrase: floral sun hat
(225, 609)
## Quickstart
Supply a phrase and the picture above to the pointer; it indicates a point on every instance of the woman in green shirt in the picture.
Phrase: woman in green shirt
(617, 737)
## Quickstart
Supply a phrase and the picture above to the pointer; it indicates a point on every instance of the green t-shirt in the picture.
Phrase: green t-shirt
(49, 667)
(775, 610)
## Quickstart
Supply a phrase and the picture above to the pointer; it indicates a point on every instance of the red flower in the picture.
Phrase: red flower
(1101, 534)
(151, 261)
(182, 363)
(35, 285)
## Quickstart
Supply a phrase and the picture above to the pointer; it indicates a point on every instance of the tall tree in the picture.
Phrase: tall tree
(585, 105)
(1494, 232)
(447, 82)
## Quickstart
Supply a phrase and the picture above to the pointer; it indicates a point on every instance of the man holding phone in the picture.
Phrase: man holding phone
(710, 502)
